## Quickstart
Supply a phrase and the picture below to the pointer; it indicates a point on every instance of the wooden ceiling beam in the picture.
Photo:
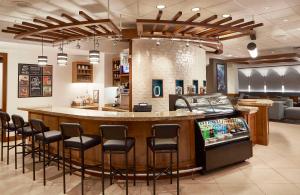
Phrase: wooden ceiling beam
(159, 14)
(253, 26)
(80, 30)
(207, 20)
(85, 16)
(113, 27)
(55, 20)
(10, 31)
(24, 27)
(175, 18)
(16, 29)
(216, 32)
(42, 22)
(37, 40)
(32, 25)
(93, 28)
(234, 36)
(218, 23)
(70, 18)
(191, 19)
(104, 29)
(245, 24)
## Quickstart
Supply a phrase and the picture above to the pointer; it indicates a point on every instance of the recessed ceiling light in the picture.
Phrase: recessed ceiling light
(229, 55)
(285, 20)
(195, 9)
(226, 15)
(161, 6)
(266, 8)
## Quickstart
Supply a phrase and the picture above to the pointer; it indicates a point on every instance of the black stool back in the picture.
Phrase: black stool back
(43, 134)
(165, 139)
(114, 138)
(113, 132)
(73, 138)
(19, 124)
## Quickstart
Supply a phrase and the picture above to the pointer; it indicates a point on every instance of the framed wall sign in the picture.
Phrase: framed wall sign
(196, 85)
(221, 81)
(34, 80)
(157, 88)
(179, 87)
(96, 96)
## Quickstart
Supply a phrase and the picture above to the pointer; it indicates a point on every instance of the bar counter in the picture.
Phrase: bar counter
(139, 126)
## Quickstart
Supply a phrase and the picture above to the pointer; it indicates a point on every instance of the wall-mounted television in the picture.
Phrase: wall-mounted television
(125, 69)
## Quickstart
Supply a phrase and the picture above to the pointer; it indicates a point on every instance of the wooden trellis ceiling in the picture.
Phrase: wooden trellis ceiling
(208, 29)
(53, 30)
(276, 58)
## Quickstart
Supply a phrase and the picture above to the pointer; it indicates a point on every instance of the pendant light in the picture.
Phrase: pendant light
(94, 55)
(42, 60)
(62, 58)
(252, 50)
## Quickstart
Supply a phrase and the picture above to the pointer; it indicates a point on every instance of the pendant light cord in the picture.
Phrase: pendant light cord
(42, 46)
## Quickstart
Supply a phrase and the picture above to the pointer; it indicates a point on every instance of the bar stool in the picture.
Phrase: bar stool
(115, 141)
(6, 127)
(165, 139)
(46, 136)
(22, 128)
(74, 139)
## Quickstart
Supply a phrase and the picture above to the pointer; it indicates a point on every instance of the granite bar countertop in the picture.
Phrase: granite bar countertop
(113, 116)
(255, 102)
(247, 109)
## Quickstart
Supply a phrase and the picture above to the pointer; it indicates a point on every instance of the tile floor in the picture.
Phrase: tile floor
(273, 170)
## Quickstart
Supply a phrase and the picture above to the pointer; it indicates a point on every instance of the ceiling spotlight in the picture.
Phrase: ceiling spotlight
(226, 15)
(187, 44)
(195, 9)
(252, 49)
(285, 20)
(157, 43)
(200, 46)
(115, 42)
(161, 6)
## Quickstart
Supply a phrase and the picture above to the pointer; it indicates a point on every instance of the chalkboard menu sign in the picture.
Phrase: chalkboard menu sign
(34, 80)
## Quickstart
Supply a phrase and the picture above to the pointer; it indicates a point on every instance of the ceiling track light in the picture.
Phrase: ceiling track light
(252, 49)
(161, 6)
(42, 60)
(157, 43)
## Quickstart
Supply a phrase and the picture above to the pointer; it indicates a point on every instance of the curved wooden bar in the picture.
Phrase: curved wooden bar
(139, 126)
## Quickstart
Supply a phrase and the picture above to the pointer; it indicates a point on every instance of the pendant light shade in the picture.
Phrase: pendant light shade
(252, 50)
(94, 56)
(42, 60)
(62, 59)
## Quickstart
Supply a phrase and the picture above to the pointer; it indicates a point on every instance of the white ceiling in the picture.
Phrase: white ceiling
(281, 18)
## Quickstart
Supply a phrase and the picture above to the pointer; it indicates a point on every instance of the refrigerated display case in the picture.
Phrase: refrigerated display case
(222, 137)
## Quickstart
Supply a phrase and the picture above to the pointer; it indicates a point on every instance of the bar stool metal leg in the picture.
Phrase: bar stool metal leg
(16, 150)
(7, 158)
(2, 140)
(126, 161)
(70, 155)
(44, 163)
(40, 151)
(82, 171)
(103, 176)
(23, 153)
(134, 168)
(154, 178)
(64, 170)
(110, 168)
(177, 167)
(147, 162)
(171, 170)
(33, 157)
(58, 155)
